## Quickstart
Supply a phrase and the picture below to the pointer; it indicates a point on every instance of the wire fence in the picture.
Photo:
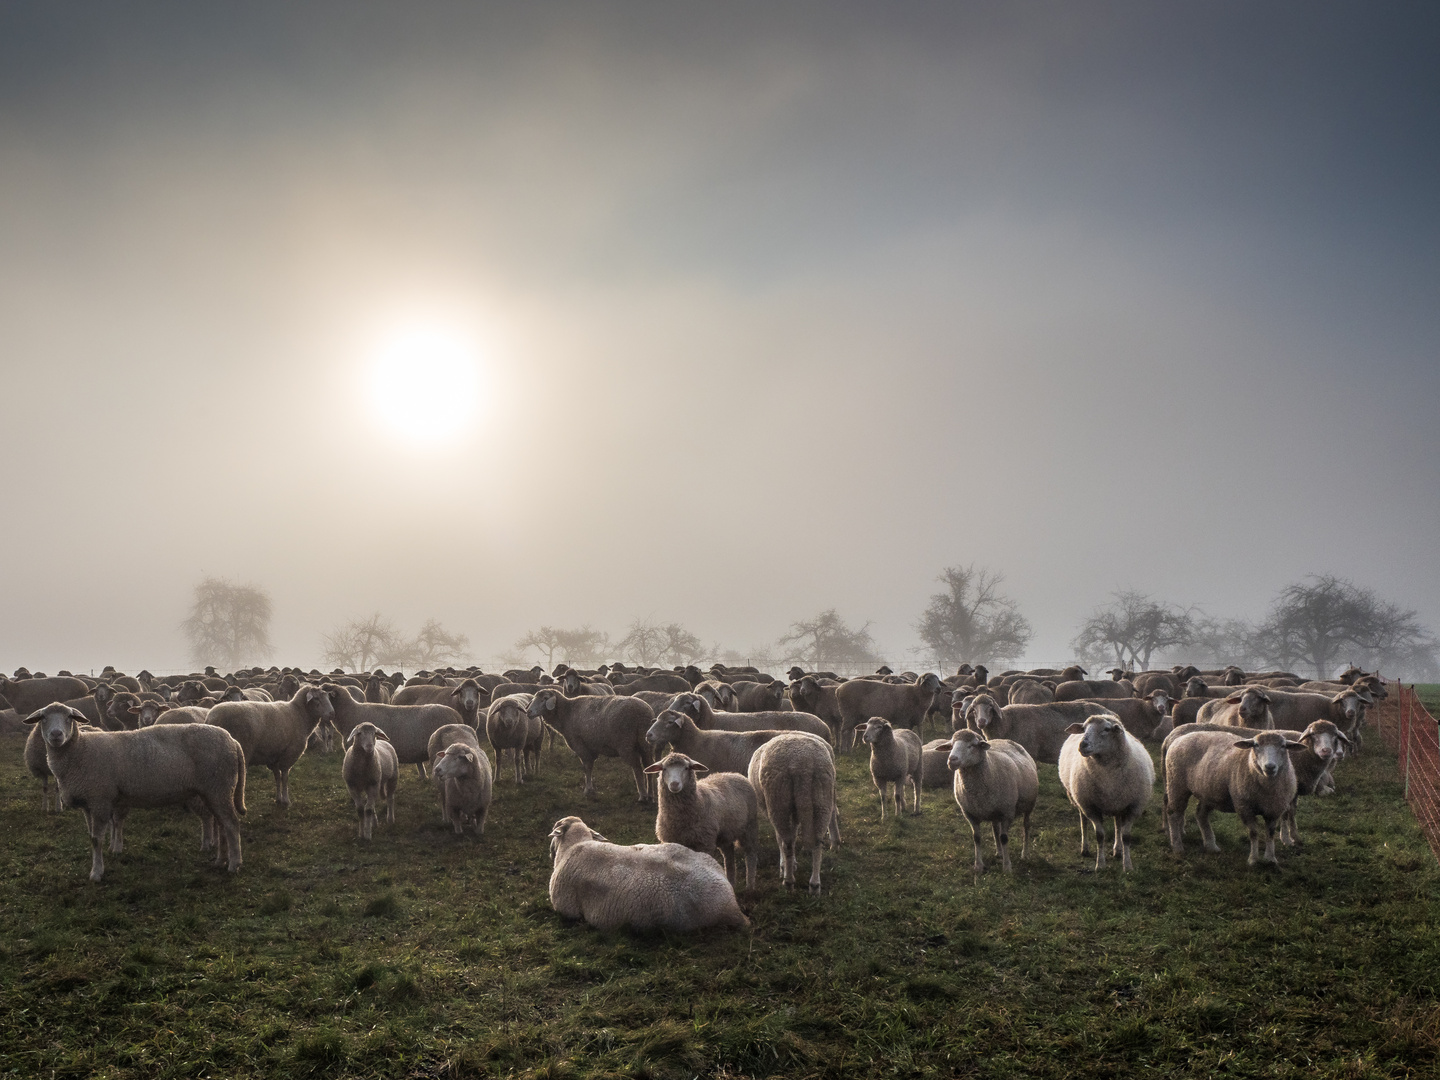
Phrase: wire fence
(1407, 728)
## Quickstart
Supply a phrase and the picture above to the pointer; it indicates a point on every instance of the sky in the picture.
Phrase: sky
(767, 312)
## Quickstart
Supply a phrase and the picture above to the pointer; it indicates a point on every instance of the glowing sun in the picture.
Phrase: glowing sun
(425, 383)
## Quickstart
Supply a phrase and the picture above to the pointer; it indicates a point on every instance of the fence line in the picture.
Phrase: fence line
(1407, 728)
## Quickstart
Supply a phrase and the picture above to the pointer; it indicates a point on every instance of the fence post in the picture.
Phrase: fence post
(1407, 721)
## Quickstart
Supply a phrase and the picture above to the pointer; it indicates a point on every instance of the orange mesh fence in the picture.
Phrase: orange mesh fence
(1411, 732)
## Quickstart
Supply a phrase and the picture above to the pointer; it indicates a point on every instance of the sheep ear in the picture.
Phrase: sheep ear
(381, 735)
(657, 767)
(34, 717)
(596, 836)
(1246, 744)
(1233, 699)
(1345, 738)
(696, 767)
(350, 739)
(1291, 744)
(1076, 729)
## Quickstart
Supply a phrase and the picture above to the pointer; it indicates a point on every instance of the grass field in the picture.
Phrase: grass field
(425, 955)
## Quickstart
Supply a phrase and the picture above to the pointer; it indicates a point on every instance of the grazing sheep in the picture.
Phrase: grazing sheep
(718, 811)
(409, 727)
(642, 887)
(718, 751)
(895, 758)
(904, 706)
(995, 781)
(1106, 772)
(274, 733)
(509, 727)
(935, 764)
(1040, 729)
(1072, 673)
(599, 727)
(1252, 778)
(371, 771)
(466, 781)
(107, 773)
(794, 779)
(706, 718)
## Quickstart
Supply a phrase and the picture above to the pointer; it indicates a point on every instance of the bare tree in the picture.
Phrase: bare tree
(971, 622)
(825, 641)
(228, 625)
(435, 646)
(1324, 621)
(582, 646)
(653, 644)
(364, 644)
(1132, 629)
(1218, 642)
(544, 638)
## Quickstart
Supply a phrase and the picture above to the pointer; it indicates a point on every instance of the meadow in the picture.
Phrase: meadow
(423, 954)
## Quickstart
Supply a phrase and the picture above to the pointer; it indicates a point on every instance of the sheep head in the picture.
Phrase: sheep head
(967, 750)
(677, 772)
(59, 723)
(667, 727)
(1269, 752)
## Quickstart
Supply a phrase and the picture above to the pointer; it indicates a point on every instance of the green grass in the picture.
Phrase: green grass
(421, 954)
(1429, 695)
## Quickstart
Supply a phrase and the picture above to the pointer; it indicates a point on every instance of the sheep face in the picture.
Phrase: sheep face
(1269, 752)
(1196, 687)
(318, 706)
(982, 713)
(147, 713)
(543, 702)
(667, 728)
(58, 723)
(967, 751)
(677, 772)
(877, 729)
(570, 684)
(1325, 740)
(467, 696)
(364, 736)
(456, 762)
(1254, 707)
(688, 704)
(1098, 735)
(1352, 707)
(1160, 702)
(796, 672)
(571, 830)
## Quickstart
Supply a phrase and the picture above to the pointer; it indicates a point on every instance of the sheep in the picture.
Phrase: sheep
(706, 718)
(39, 768)
(720, 695)
(660, 680)
(1106, 772)
(1141, 716)
(106, 773)
(895, 758)
(904, 706)
(808, 694)
(1147, 682)
(1297, 711)
(935, 764)
(1069, 674)
(572, 685)
(371, 771)
(1325, 745)
(599, 726)
(794, 779)
(1252, 778)
(463, 773)
(719, 811)
(408, 726)
(509, 727)
(1040, 729)
(995, 781)
(467, 698)
(1248, 707)
(642, 887)
(274, 733)
(718, 751)
(1075, 689)
(377, 690)
(760, 697)
(27, 695)
(1030, 692)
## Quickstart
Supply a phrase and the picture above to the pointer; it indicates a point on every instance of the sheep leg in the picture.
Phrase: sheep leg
(835, 826)
(420, 768)
(1122, 842)
(637, 765)
(99, 826)
(915, 783)
(1207, 834)
(899, 794)
(1084, 836)
(1099, 823)
(1025, 841)
(816, 854)
(979, 864)
(117, 832)
(1288, 833)
(360, 817)
(749, 846)
(1001, 829)
(517, 760)
(1175, 823)
(282, 788)
(390, 799)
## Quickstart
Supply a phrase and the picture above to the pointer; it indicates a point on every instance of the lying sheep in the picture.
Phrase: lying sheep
(1251, 777)
(705, 717)
(599, 727)
(643, 887)
(719, 811)
(895, 758)
(995, 781)
(274, 733)
(1325, 744)
(1106, 773)
(107, 773)
(371, 771)
(509, 727)
(904, 706)
(718, 751)
(1040, 729)
(465, 779)
(794, 779)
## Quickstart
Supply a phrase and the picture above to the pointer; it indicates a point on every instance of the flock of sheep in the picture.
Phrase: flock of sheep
(725, 747)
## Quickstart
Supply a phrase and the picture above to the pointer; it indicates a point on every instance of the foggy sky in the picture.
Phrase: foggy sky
(783, 311)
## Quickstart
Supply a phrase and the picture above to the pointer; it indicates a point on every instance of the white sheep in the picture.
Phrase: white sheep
(106, 773)
(642, 887)
(371, 770)
(274, 733)
(718, 811)
(794, 779)
(995, 781)
(466, 779)
(895, 758)
(509, 727)
(1106, 772)
(408, 726)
